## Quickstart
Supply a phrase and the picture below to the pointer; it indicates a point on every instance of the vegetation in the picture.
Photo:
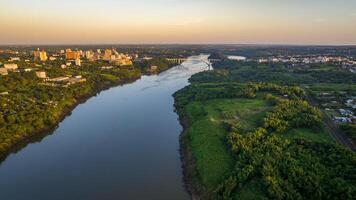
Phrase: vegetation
(228, 70)
(349, 129)
(262, 141)
(161, 64)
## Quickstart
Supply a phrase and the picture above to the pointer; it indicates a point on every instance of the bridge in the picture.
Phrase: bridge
(181, 60)
(177, 60)
(208, 63)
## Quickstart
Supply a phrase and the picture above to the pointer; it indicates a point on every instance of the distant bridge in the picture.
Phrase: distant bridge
(177, 60)
(181, 60)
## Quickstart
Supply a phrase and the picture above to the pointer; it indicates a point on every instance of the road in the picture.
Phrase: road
(333, 129)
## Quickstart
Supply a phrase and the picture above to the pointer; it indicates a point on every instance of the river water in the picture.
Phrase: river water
(120, 144)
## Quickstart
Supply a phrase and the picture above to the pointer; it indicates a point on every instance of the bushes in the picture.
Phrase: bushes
(349, 129)
(292, 114)
(294, 170)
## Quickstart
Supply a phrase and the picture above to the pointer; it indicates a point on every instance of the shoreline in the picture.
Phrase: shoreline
(191, 182)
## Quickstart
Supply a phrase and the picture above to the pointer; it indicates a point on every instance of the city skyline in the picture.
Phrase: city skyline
(178, 22)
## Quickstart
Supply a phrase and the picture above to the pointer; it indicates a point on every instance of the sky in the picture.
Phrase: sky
(320, 22)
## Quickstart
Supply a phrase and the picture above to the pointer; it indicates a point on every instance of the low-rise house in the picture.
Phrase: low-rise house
(27, 69)
(14, 59)
(75, 80)
(342, 119)
(11, 66)
(3, 71)
(41, 74)
(153, 68)
(59, 79)
(345, 112)
(106, 67)
(351, 103)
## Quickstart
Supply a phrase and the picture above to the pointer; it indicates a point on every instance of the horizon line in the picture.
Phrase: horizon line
(178, 44)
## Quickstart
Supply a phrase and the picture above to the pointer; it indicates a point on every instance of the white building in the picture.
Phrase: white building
(41, 74)
(89, 55)
(10, 66)
(14, 59)
(78, 62)
(3, 71)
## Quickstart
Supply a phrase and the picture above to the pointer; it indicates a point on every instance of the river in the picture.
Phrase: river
(120, 144)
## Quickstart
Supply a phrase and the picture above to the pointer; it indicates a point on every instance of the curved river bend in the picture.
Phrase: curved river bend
(121, 144)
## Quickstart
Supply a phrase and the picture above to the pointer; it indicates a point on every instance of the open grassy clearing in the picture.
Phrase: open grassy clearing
(207, 135)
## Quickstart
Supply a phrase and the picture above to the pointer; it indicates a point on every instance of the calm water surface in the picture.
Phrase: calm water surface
(121, 144)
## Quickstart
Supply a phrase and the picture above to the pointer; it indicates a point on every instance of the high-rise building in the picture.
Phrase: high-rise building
(78, 62)
(43, 56)
(89, 55)
(72, 55)
(36, 54)
(107, 54)
(40, 55)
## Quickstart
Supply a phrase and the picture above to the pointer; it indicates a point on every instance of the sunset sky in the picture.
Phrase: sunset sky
(178, 21)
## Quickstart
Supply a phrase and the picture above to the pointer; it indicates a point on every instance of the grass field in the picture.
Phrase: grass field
(207, 135)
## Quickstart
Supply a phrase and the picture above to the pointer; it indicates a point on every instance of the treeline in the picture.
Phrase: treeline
(234, 71)
(202, 92)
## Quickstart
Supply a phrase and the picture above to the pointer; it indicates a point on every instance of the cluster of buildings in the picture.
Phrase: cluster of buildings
(8, 67)
(112, 56)
(68, 57)
(346, 62)
(347, 114)
(304, 59)
(74, 56)
(71, 57)
(63, 81)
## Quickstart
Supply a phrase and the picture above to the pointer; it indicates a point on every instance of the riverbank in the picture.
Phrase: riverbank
(192, 184)
(19, 141)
